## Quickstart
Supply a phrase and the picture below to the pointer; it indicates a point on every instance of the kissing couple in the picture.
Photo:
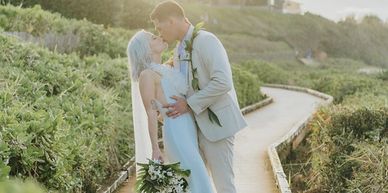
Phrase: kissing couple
(194, 96)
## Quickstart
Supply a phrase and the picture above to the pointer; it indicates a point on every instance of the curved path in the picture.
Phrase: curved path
(266, 126)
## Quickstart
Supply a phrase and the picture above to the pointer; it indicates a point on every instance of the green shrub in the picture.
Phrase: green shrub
(337, 135)
(367, 99)
(247, 87)
(93, 39)
(384, 75)
(266, 72)
(343, 85)
(19, 186)
(65, 121)
(371, 174)
(117, 13)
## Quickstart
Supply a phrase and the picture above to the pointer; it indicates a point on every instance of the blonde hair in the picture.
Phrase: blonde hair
(167, 9)
(139, 53)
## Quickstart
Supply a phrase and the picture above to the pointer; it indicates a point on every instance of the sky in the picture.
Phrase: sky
(338, 9)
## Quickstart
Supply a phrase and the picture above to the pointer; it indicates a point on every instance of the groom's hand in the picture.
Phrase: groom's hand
(178, 108)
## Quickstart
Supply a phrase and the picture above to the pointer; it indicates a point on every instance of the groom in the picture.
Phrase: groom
(216, 91)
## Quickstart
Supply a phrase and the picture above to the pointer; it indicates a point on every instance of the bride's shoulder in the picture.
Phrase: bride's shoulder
(147, 74)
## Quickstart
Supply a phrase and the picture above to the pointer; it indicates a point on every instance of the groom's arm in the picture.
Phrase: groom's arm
(215, 59)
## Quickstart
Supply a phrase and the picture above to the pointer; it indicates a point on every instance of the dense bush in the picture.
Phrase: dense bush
(371, 175)
(117, 13)
(247, 87)
(266, 72)
(18, 186)
(337, 137)
(93, 39)
(340, 86)
(65, 121)
(384, 75)
(346, 151)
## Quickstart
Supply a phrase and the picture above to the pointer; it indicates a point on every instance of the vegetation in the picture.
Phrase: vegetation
(79, 36)
(66, 118)
(261, 34)
(346, 149)
(256, 33)
(117, 13)
(18, 186)
(247, 87)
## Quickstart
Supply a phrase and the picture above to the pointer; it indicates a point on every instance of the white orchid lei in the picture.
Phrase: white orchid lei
(195, 82)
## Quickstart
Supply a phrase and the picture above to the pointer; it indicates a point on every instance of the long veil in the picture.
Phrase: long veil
(143, 148)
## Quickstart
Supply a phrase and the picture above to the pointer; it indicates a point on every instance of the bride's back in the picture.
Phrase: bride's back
(150, 83)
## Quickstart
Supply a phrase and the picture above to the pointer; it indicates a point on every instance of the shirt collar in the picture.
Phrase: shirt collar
(188, 35)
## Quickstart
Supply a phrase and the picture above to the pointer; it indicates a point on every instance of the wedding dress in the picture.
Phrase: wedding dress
(180, 134)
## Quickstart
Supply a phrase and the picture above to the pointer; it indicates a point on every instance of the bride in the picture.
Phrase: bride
(152, 85)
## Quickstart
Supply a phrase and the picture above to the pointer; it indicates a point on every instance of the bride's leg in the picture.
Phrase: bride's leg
(183, 144)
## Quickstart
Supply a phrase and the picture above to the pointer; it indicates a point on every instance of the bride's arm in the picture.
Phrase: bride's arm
(147, 92)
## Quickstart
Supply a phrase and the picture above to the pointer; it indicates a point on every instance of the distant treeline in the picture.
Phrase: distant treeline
(117, 13)
(231, 2)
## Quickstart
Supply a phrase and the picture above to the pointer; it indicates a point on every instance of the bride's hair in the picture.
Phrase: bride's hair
(139, 53)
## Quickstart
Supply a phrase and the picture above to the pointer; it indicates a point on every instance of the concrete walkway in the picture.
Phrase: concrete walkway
(266, 125)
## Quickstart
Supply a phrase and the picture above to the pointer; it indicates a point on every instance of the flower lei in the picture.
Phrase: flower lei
(195, 83)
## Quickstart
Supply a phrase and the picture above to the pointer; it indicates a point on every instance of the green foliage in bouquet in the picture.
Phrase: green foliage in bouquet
(157, 177)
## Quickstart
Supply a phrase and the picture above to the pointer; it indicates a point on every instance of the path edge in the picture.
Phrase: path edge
(292, 139)
(129, 168)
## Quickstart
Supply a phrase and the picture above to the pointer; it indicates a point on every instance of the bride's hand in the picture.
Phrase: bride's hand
(157, 155)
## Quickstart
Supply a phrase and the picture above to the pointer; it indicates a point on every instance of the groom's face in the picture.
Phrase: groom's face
(165, 29)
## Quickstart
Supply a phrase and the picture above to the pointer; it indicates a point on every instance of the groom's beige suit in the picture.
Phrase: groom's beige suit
(217, 93)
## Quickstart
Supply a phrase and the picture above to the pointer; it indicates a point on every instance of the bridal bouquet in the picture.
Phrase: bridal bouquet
(156, 177)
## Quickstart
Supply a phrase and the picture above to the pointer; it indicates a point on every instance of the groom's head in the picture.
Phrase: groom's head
(169, 20)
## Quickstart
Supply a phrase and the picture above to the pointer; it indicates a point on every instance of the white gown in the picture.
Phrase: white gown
(180, 134)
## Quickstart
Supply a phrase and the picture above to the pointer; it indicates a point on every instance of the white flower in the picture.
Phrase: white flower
(174, 181)
(157, 161)
(178, 188)
(151, 169)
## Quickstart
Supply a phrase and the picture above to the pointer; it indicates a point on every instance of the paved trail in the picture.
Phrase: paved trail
(266, 125)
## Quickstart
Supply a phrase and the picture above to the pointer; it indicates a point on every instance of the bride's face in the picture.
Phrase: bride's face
(156, 44)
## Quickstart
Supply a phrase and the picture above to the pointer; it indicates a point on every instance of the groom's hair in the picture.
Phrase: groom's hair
(167, 9)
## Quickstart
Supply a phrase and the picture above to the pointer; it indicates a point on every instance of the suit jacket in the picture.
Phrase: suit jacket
(216, 87)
